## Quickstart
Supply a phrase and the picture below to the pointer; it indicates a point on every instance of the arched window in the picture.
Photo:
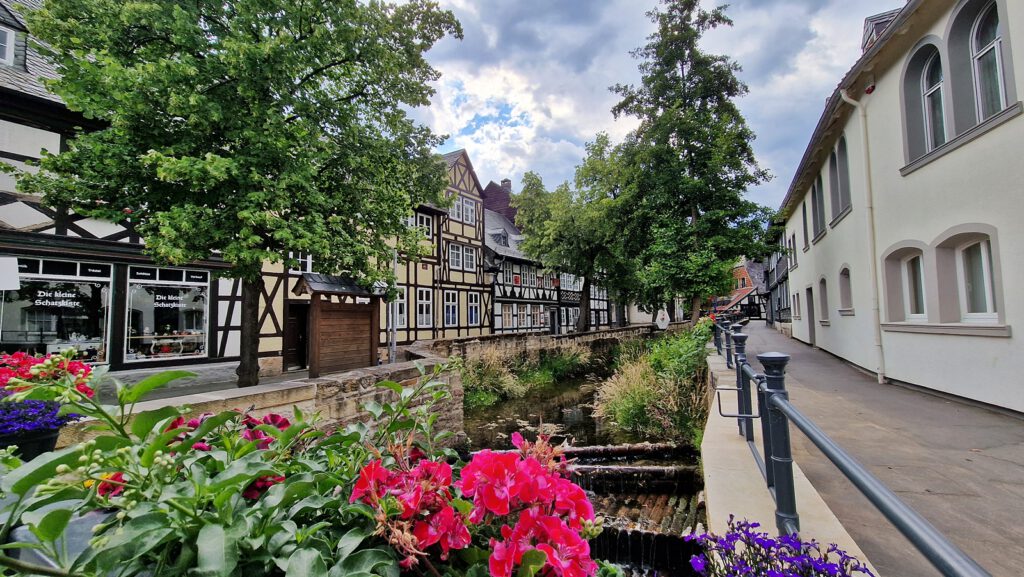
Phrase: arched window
(839, 178)
(974, 272)
(823, 299)
(931, 91)
(818, 208)
(906, 297)
(988, 63)
(967, 264)
(845, 291)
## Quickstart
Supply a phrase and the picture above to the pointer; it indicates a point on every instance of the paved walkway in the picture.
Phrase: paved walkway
(960, 466)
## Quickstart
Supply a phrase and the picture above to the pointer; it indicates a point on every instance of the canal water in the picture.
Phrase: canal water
(565, 411)
(644, 521)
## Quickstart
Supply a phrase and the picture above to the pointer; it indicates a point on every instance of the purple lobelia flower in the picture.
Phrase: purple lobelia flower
(20, 417)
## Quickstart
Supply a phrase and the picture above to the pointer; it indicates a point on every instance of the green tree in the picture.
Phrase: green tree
(572, 229)
(248, 127)
(689, 163)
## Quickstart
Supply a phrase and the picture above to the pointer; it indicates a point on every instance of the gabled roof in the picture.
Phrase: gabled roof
(329, 284)
(27, 80)
(496, 226)
(736, 297)
(891, 38)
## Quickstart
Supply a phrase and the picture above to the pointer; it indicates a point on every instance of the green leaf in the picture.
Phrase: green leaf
(47, 526)
(374, 408)
(366, 561)
(350, 541)
(143, 423)
(134, 393)
(392, 385)
(207, 426)
(533, 561)
(242, 471)
(159, 443)
(479, 570)
(306, 563)
(217, 552)
(44, 467)
(136, 538)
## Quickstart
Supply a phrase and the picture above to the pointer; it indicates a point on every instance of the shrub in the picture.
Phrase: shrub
(493, 375)
(489, 377)
(660, 393)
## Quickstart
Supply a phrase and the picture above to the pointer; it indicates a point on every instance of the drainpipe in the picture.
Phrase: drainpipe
(872, 249)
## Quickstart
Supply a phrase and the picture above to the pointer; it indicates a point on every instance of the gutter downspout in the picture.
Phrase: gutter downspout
(872, 248)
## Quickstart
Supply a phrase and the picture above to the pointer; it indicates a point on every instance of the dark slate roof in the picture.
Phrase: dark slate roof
(756, 271)
(452, 157)
(496, 225)
(329, 284)
(28, 79)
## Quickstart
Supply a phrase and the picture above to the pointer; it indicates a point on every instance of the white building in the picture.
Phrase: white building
(903, 221)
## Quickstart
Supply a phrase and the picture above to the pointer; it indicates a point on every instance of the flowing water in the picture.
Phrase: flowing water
(648, 500)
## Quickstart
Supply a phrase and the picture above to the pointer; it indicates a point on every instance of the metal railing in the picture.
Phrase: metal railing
(776, 412)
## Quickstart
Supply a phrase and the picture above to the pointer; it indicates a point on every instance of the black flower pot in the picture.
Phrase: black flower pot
(31, 444)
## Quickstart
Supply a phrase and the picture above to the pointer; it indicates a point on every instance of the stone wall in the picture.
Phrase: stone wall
(338, 398)
(531, 344)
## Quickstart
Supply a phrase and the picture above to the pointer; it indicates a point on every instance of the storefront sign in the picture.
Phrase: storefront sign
(57, 298)
(169, 301)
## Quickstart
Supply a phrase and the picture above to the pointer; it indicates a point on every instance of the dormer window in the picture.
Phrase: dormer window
(6, 46)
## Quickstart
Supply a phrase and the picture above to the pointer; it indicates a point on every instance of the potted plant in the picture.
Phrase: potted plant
(32, 425)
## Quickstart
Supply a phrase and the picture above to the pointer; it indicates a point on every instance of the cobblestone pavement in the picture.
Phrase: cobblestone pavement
(958, 465)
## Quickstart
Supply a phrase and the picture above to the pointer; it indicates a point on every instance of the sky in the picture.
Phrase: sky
(528, 86)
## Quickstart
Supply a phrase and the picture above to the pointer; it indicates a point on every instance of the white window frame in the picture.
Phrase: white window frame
(424, 308)
(426, 222)
(473, 309)
(401, 307)
(992, 314)
(456, 211)
(508, 316)
(469, 254)
(454, 256)
(506, 273)
(908, 315)
(523, 316)
(7, 55)
(469, 211)
(926, 106)
(305, 262)
(997, 45)
(451, 308)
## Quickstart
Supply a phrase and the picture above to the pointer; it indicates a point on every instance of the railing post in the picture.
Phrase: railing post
(728, 343)
(743, 384)
(718, 337)
(781, 461)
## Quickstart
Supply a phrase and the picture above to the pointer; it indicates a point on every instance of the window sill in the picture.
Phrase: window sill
(793, 267)
(846, 312)
(1006, 115)
(807, 247)
(839, 217)
(818, 237)
(825, 323)
(970, 330)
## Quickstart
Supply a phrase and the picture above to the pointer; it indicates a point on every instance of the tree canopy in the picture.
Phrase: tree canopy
(688, 163)
(250, 128)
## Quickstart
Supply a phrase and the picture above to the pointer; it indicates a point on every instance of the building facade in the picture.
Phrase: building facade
(903, 220)
(84, 283)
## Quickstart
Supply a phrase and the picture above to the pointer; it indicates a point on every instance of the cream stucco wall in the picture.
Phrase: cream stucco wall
(978, 185)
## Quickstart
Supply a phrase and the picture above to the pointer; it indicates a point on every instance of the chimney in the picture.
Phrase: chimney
(506, 185)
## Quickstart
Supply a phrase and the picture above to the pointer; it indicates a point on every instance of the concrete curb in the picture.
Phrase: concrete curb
(733, 484)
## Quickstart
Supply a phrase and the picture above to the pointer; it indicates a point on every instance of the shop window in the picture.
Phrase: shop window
(52, 312)
(167, 317)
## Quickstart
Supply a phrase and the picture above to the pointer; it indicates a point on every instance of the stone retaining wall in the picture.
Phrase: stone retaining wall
(337, 398)
(533, 343)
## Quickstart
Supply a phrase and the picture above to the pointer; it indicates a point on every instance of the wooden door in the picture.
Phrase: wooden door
(345, 336)
(296, 336)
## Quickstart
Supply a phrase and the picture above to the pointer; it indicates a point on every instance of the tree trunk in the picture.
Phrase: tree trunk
(695, 311)
(583, 323)
(671, 309)
(248, 370)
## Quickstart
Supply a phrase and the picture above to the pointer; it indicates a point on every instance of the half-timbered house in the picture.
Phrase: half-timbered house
(86, 283)
(525, 296)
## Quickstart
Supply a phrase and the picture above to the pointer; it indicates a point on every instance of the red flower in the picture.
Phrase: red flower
(112, 485)
(572, 503)
(488, 479)
(277, 420)
(85, 390)
(260, 486)
(568, 553)
(257, 435)
(373, 481)
(445, 527)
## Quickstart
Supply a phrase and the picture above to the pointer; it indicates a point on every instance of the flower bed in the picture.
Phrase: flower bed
(236, 494)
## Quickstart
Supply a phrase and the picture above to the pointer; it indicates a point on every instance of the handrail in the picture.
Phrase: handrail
(776, 412)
